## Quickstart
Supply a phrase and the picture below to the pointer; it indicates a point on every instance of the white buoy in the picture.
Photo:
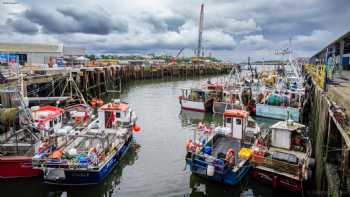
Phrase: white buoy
(210, 170)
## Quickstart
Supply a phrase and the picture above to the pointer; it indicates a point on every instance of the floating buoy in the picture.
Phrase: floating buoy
(57, 154)
(136, 128)
(189, 145)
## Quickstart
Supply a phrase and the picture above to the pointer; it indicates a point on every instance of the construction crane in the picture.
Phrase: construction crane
(197, 58)
(200, 31)
(173, 61)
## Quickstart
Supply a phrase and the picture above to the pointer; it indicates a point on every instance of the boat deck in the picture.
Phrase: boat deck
(223, 143)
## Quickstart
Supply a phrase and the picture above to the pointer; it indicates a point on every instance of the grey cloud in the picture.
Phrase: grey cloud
(163, 24)
(69, 20)
(94, 22)
(95, 28)
(23, 26)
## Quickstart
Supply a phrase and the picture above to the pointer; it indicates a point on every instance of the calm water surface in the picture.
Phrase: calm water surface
(155, 165)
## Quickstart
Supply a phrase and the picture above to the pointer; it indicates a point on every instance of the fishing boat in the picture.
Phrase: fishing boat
(17, 139)
(280, 104)
(286, 97)
(223, 154)
(22, 129)
(282, 156)
(201, 99)
(88, 157)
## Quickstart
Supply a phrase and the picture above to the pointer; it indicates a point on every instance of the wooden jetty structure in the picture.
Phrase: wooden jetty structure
(96, 80)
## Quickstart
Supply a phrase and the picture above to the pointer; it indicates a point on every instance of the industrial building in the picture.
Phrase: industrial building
(338, 49)
(36, 53)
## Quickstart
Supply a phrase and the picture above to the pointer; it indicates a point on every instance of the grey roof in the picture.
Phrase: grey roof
(73, 51)
(345, 37)
(31, 47)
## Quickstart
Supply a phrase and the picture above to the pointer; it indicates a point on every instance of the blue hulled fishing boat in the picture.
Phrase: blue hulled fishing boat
(223, 154)
(89, 156)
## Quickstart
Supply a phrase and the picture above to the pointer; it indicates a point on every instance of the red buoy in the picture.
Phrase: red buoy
(136, 128)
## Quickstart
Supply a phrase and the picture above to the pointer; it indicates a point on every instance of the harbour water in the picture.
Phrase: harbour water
(155, 165)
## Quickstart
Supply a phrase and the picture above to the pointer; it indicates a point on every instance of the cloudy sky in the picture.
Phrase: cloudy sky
(234, 29)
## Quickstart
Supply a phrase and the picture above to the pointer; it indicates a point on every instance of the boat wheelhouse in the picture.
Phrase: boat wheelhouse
(47, 119)
(91, 154)
(222, 154)
(231, 99)
(282, 155)
(122, 113)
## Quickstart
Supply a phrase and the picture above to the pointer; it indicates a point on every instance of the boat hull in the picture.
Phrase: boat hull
(229, 177)
(17, 167)
(87, 177)
(277, 112)
(192, 105)
(277, 180)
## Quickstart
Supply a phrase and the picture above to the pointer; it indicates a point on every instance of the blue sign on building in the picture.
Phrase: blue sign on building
(9, 58)
(60, 62)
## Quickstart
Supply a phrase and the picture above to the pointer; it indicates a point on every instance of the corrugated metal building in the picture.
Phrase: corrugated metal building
(73, 51)
(36, 53)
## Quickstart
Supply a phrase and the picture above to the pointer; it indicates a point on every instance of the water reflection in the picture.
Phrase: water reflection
(192, 118)
(202, 187)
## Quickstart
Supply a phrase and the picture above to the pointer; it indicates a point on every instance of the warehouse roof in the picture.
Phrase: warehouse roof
(345, 37)
(31, 47)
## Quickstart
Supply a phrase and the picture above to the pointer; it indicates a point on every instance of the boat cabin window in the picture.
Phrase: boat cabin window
(55, 121)
(238, 121)
(197, 96)
(51, 124)
(251, 124)
(229, 120)
(118, 114)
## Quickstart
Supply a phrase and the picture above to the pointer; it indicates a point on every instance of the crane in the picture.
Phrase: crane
(173, 61)
(200, 31)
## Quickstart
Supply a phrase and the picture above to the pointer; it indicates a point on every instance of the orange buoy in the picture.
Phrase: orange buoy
(136, 128)
(57, 154)
(93, 103)
(78, 120)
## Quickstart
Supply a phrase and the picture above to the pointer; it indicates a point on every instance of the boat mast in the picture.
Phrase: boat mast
(73, 85)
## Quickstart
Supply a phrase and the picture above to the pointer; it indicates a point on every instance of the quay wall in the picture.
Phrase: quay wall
(329, 138)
